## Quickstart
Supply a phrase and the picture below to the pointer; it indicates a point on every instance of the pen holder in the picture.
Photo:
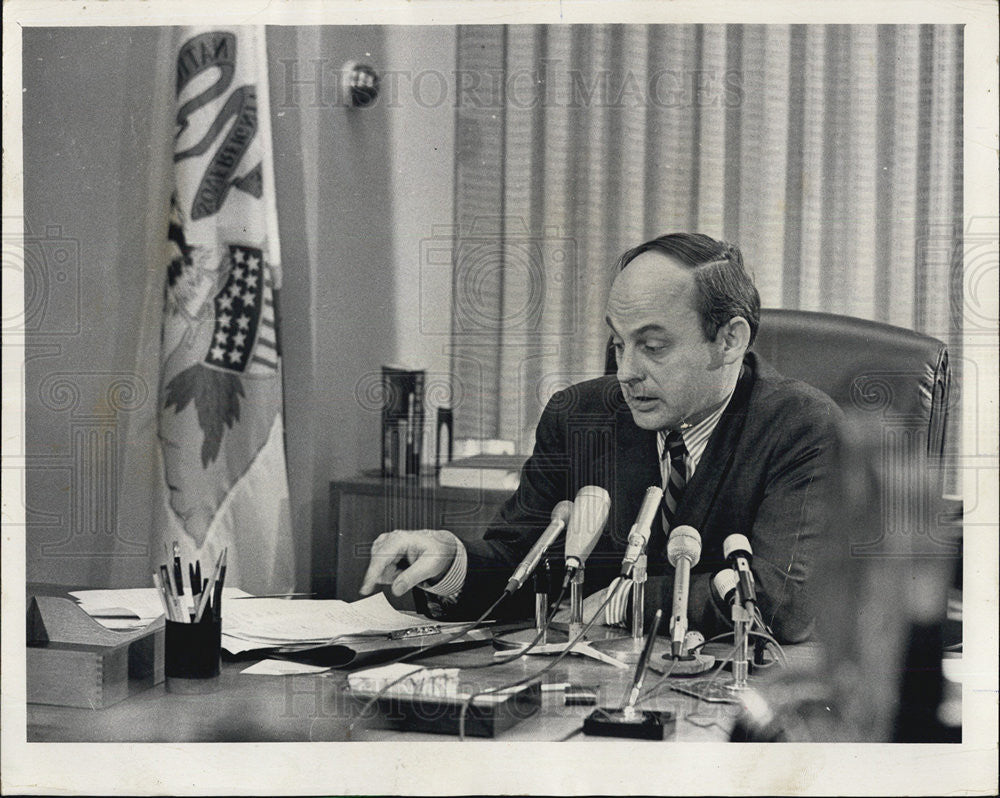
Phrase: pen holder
(192, 656)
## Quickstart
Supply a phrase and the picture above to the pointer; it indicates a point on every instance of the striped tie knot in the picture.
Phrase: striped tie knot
(674, 447)
(675, 450)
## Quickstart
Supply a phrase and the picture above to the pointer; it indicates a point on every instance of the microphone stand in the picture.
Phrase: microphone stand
(576, 603)
(523, 637)
(742, 620)
(576, 625)
(638, 600)
(629, 648)
(541, 584)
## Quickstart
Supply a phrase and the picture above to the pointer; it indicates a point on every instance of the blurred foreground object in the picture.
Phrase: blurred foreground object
(881, 599)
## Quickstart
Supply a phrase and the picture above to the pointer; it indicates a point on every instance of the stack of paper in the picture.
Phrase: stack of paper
(279, 623)
(250, 623)
(131, 608)
(407, 680)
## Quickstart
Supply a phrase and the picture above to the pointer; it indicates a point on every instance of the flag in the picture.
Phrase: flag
(220, 398)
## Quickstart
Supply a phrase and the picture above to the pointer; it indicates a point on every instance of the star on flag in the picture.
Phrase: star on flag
(239, 298)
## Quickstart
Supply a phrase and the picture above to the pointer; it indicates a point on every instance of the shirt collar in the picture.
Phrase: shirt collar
(696, 436)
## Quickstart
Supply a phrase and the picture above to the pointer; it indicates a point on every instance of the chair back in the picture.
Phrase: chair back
(864, 366)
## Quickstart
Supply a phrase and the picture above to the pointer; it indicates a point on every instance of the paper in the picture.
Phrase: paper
(132, 607)
(405, 679)
(416, 680)
(250, 623)
(282, 667)
(272, 623)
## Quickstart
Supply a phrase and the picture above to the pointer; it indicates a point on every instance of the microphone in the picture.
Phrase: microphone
(736, 549)
(638, 536)
(726, 585)
(560, 516)
(590, 513)
(683, 552)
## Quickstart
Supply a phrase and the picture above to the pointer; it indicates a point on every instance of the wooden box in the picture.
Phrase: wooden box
(73, 661)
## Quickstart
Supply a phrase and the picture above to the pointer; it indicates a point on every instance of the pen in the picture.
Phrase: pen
(162, 595)
(195, 589)
(203, 602)
(217, 597)
(640, 668)
(168, 588)
(178, 571)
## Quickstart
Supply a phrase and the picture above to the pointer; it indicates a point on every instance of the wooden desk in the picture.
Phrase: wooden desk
(316, 708)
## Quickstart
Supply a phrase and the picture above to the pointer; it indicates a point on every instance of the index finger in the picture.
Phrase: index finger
(387, 550)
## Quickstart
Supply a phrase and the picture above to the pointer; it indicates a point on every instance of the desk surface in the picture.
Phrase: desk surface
(311, 708)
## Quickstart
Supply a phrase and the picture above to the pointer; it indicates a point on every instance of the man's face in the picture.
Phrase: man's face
(668, 371)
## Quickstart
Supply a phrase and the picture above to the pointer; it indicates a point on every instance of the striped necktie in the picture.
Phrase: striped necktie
(676, 479)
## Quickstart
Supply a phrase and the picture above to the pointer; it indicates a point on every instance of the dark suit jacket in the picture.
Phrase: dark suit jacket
(765, 473)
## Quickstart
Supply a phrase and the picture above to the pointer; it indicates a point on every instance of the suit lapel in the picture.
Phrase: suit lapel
(699, 494)
(636, 468)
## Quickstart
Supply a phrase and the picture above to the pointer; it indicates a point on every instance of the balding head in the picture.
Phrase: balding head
(671, 370)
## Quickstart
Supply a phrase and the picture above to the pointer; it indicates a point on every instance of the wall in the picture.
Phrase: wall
(357, 191)
(421, 95)
(334, 209)
(420, 92)
(92, 145)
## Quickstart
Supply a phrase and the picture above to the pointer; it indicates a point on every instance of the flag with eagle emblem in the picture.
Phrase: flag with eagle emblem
(220, 396)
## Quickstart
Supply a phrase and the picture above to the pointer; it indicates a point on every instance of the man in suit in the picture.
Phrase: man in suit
(737, 448)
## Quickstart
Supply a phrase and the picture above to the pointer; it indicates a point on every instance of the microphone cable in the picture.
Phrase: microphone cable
(427, 651)
(647, 693)
(718, 670)
(522, 651)
(558, 658)
(624, 702)
(415, 653)
(783, 661)
(664, 675)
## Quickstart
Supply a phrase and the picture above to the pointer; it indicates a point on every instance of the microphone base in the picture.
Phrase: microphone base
(629, 649)
(690, 665)
(523, 637)
(564, 629)
(637, 725)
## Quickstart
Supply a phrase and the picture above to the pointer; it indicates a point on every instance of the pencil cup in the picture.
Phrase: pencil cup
(192, 656)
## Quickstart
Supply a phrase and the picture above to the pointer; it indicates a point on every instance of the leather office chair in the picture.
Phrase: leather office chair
(866, 367)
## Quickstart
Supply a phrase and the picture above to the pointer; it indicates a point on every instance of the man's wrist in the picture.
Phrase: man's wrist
(454, 578)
